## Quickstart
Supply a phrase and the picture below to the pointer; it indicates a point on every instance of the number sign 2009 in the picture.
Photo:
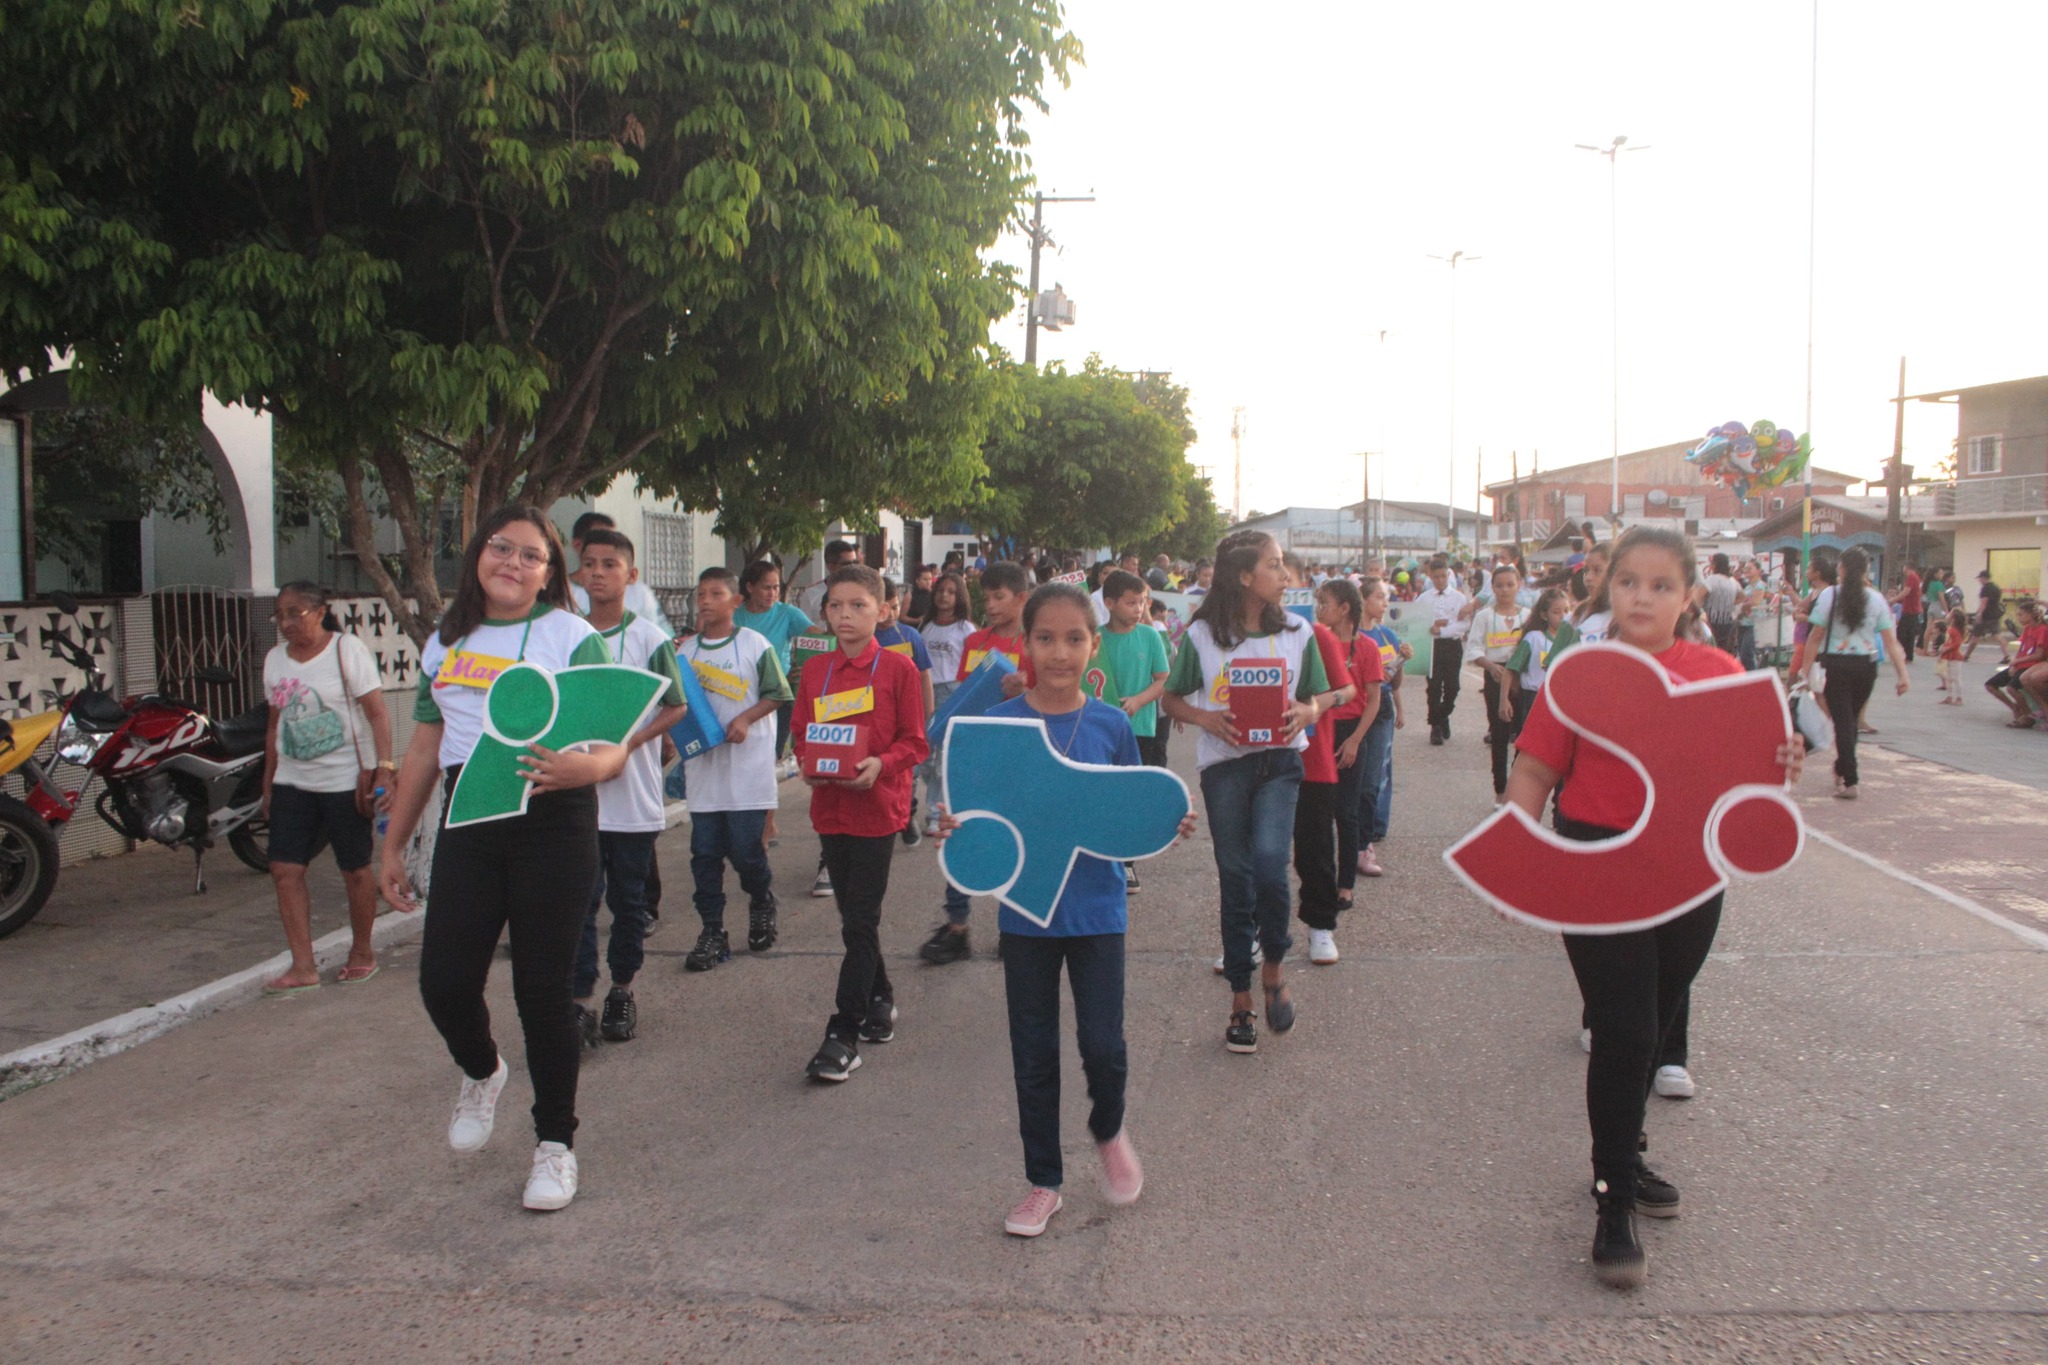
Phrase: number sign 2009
(1273, 675)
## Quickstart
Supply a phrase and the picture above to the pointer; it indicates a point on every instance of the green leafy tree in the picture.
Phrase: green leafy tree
(1200, 525)
(553, 240)
(1086, 461)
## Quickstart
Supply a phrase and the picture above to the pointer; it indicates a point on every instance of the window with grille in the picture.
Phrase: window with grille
(1985, 454)
(667, 550)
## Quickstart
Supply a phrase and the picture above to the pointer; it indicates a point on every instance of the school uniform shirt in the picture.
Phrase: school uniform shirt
(1101, 608)
(1594, 628)
(1319, 759)
(1093, 900)
(1367, 669)
(778, 625)
(737, 674)
(1199, 676)
(454, 678)
(632, 802)
(985, 641)
(894, 717)
(1444, 606)
(1132, 659)
(1837, 637)
(1531, 660)
(1601, 788)
(1493, 635)
(901, 639)
(317, 714)
(947, 646)
(1390, 659)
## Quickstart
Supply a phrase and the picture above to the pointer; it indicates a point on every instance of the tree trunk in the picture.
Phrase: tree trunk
(362, 537)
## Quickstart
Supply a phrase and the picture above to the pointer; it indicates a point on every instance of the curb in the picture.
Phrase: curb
(40, 1063)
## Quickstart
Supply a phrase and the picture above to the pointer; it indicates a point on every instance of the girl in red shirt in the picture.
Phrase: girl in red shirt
(1951, 655)
(2032, 652)
(1633, 983)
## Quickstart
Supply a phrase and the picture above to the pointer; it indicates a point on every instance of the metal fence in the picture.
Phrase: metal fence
(203, 629)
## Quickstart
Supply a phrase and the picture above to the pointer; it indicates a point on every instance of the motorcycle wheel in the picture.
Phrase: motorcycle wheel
(28, 864)
(251, 842)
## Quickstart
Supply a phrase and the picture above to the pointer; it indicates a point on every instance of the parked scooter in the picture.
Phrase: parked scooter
(170, 775)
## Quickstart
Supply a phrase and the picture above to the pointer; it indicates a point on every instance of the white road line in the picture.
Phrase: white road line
(2024, 931)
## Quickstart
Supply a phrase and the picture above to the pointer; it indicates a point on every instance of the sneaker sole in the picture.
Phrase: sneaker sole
(760, 946)
(1329, 961)
(1243, 1048)
(619, 1036)
(690, 966)
(1670, 1210)
(489, 1127)
(835, 1076)
(1032, 1229)
(888, 1037)
(1674, 1094)
(1625, 1274)
(548, 1205)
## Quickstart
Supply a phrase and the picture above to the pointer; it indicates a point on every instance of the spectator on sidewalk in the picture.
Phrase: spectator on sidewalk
(2026, 706)
(326, 771)
(1848, 623)
(1990, 623)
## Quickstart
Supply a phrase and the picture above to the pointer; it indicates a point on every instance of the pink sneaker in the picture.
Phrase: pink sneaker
(1369, 863)
(1122, 1176)
(1029, 1218)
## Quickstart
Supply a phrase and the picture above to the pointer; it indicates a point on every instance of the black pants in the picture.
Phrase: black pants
(1349, 781)
(1152, 748)
(1500, 734)
(1724, 635)
(859, 866)
(1031, 983)
(1446, 662)
(531, 874)
(1909, 634)
(1315, 853)
(1676, 1047)
(1634, 986)
(1850, 680)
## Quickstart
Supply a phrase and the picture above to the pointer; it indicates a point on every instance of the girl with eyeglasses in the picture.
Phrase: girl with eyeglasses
(532, 872)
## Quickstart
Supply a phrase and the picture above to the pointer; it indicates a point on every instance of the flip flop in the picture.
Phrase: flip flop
(348, 976)
(273, 988)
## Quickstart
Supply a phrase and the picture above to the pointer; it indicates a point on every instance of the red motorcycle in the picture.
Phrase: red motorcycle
(170, 775)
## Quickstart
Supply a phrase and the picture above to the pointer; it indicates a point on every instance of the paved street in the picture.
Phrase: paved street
(1403, 1178)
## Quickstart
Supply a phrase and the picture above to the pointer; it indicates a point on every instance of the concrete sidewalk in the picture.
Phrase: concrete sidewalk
(1401, 1178)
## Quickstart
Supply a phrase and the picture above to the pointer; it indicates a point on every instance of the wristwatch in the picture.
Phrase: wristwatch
(387, 765)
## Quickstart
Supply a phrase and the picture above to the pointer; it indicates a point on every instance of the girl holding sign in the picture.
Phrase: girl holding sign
(1634, 983)
(1496, 630)
(1247, 677)
(1085, 933)
(532, 872)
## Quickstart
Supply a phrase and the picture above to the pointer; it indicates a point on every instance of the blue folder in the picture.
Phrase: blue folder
(982, 689)
(699, 731)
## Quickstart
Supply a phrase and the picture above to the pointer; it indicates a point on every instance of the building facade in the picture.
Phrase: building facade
(1996, 506)
(1655, 483)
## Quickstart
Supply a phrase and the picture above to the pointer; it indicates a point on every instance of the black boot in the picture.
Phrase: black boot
(1618, 1257)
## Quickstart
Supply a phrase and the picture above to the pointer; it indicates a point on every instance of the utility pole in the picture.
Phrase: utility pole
(1613, 153)
(1039, 239)
(1515, 473)
(1895, 486)
(1365, 510)
(1451, 455)
(1237, 459)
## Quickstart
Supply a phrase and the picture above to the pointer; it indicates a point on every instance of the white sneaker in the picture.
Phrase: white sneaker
(553, 1182)
(1322, 947)
(476, 1109)
(1675, 1083)
(1258, 958)
(1585, 1040)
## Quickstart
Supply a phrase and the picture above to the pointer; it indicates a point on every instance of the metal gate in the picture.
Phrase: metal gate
(200, 628)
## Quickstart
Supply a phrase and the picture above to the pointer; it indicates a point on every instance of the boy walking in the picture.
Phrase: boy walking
(1004, 589)
(898, 638)
(1132, 657)
(732, 785)
(630, 806)
(875, 694)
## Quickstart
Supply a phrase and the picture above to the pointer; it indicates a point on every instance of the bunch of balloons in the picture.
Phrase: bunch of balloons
(1745, 458)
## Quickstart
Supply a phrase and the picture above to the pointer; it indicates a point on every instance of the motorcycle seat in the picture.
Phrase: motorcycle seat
(243, 734)
(98, 710)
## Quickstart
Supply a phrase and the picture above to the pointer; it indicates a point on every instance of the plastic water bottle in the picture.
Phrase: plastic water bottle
(383, 816)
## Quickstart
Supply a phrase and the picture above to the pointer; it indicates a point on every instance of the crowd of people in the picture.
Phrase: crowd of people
(1296, 798)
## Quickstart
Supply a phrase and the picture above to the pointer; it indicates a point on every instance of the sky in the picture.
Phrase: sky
(1271, 182)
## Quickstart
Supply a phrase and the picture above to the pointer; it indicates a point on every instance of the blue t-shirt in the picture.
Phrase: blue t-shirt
(780, 623)
(901, 639)
(1093, 901)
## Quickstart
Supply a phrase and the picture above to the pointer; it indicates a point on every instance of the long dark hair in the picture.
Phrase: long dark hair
(1060, 592)
(963, 609)
(1852, 577)
(316, 597)
(466, 612)
(1223, 607)
(1635, 538)
(1346, 595)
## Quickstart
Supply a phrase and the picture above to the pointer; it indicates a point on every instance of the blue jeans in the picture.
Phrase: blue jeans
(1251, 822)
(1031, 982)
(715, 836)
(930, 770)
(1376, 785)
(621, 883)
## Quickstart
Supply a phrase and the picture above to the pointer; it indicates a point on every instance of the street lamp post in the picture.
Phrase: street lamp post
(1451, 459)
(1041, 239)
(1613, 154)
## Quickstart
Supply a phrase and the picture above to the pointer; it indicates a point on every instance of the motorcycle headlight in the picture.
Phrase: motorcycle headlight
(77, 745)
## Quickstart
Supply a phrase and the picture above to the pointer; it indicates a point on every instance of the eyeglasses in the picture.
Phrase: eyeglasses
(529, 557)
(289, 618)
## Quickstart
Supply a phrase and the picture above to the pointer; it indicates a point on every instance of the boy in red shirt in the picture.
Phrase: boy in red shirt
(1004, 590)
(858, 818)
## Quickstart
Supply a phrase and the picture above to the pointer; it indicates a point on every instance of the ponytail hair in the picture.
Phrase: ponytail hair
(316, 597)
(1853, 576)
(1223, 607)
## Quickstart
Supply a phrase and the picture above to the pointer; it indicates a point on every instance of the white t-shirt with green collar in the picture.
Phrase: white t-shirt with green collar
(455, 678)
(632, 802)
